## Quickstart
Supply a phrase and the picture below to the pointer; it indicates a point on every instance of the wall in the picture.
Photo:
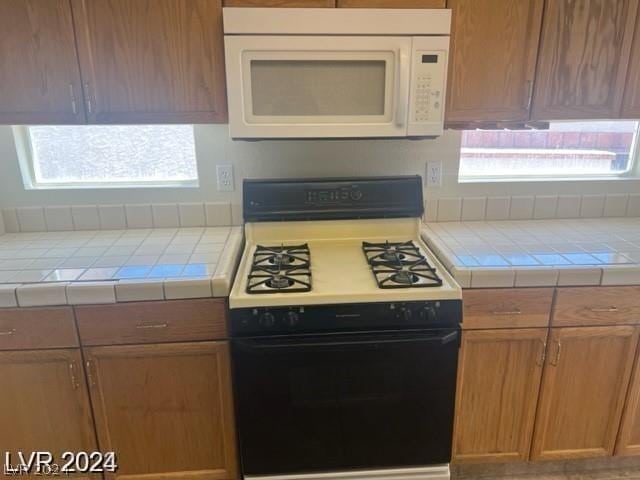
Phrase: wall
(293, 158)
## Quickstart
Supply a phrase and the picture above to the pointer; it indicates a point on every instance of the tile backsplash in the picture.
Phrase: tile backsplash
(527, 207)
(113, 217)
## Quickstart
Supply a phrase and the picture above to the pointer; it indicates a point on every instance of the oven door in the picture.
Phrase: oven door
(312, 86)
(345, 401)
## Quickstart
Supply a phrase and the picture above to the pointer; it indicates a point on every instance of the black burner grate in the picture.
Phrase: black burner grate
(285, 268)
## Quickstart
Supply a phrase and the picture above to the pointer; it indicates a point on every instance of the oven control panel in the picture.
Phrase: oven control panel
(351, 317)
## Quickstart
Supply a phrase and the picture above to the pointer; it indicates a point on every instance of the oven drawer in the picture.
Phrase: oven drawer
(152, 322)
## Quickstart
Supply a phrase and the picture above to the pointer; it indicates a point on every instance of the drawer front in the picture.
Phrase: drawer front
(596, 306)
(152, 322)
(507, 308)
(35, 328)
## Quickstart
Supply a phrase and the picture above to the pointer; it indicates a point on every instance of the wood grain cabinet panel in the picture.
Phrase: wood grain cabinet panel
(44, 404)
(507, 308)
(36, 328)
(629, 435)
(584, 306)
(494, 44)
(631, 103)
(583, 390)
(151, 61)
(281, 3)
(498, 380)
(584, 54)
(165, 409)
(39, 74)
(391, 3)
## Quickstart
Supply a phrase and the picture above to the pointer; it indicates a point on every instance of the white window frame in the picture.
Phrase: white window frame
(631, 173)
(25, 160)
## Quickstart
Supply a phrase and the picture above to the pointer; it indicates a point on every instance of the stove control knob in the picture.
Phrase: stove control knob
(291, 319)
(405, 314)
(428, 314)
(267, 320)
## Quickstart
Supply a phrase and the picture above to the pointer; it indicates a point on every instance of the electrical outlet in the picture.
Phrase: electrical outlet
(225, 178)
(434, 174)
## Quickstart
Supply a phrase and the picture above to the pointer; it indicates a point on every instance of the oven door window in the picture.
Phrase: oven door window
(345, 401)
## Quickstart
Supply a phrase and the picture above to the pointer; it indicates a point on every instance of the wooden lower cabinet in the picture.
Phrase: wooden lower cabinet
(165, 409)
(498, 380)
(629, 435)
(44, 404)
(583, 390)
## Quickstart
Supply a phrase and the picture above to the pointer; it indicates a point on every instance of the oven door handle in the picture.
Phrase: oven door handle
(257, 344)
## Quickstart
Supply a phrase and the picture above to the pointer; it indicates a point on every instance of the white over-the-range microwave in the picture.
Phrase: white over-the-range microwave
(336, 73)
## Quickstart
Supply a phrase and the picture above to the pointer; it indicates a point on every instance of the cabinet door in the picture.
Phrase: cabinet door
(494, 44)
(629, 435)
(151, 61)
(391, 3)
(166, 409)
(631, 104)
(44, 404)
(280, 3)
(498, 380)
(583, 59)
(583, 390)
(39, 75)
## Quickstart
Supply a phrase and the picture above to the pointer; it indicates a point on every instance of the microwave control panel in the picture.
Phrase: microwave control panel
(429, 71)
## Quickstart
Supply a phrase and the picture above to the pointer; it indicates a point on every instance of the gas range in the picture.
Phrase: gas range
(339, 313)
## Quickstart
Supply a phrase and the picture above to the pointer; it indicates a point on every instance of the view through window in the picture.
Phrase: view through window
(567, 149)
(106, 155)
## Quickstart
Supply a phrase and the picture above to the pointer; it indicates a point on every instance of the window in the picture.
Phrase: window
(107, 156)
(567, 150)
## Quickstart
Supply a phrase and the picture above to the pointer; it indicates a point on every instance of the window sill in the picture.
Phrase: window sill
(616, 178)
(113, 186)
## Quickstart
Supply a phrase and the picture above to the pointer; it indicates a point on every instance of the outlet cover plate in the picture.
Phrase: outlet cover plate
(224, 174)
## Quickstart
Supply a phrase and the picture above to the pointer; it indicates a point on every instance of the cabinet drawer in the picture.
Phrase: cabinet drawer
(152, 322)
(33, 328)
(596, 306)
(507, 308)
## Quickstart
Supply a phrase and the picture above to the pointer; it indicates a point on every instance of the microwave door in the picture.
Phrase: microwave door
(305, 87)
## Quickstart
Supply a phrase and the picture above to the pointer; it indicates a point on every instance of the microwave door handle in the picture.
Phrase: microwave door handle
(402, 88)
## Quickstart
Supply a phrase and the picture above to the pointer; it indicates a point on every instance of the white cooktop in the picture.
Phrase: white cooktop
(340, 272)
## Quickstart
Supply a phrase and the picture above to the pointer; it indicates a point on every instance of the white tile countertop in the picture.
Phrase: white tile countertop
(569, 252)
(108, 266)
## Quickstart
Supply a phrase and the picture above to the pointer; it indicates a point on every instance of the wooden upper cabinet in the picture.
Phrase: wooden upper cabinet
(391, 3)
(583, 391)
(631, 103)
(44, 404)
(165, 409)
(281, 3)
(584, 54)
(492, 61)
(39, 75)
(151, 61)
(498, 380)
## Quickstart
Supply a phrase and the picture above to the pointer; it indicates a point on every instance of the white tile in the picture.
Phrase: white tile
(621, 275)
(112, 217)
(165, 215)
(85, 217)
(569, 206)
(221, 281)
(521, 208)
(143, 260)
(139, 216)
(90, 251)
(615, 205)
(10, 217)
(8, 295)
(462, 276)
(2, 228)
(236, 214)
(91, 293)
(41, 295)
(78, 262)
(64, 275)
(498, 208)
(187, 288)
(431, 210)
(103, 273)
(492, 277)
(592, 206)
(218, 214)
(449, 209)
(111, 261)
(203, 258)
(633, 207)
(30, 276)
(536, 277)
(5, 275)
(45, 263)
(58, 218)
(120, 250)
(31, 219)
(578, 277)
(473, 208)
(545, 207)
(139, 290)
(192, 215)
